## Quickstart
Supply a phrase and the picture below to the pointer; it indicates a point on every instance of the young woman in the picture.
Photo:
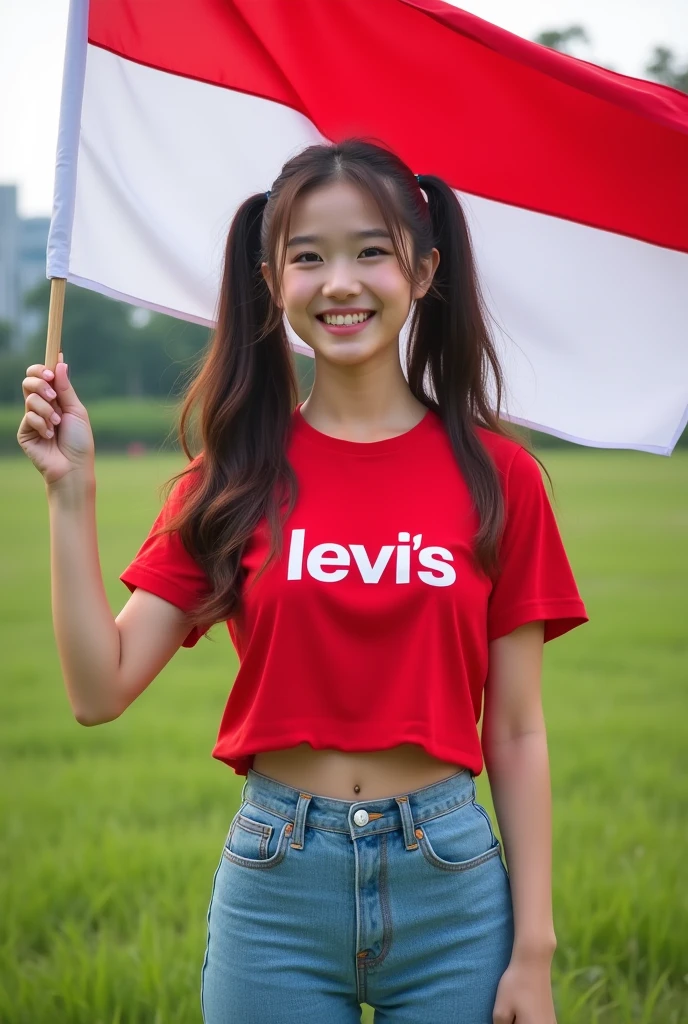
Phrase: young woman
(383, 554)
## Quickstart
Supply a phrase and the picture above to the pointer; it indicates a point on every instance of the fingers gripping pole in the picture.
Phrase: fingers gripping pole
(55, 310)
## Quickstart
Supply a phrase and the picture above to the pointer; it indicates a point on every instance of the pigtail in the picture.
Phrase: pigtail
(248, 364)
(242, 400)
(450, 342)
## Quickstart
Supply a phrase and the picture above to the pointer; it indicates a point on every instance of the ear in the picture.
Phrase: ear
(267, 275)
(428, 267)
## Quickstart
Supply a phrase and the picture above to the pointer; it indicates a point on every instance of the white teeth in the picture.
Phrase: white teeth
(350, 318)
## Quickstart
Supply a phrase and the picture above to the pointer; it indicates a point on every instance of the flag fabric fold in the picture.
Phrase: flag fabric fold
(573, 178)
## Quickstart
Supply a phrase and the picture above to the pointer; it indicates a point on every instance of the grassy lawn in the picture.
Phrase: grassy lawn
(110, 836)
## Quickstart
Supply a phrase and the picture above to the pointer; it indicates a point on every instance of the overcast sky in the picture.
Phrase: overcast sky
(32, 34)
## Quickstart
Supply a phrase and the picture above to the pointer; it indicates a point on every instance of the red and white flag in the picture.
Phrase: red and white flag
(574, 178)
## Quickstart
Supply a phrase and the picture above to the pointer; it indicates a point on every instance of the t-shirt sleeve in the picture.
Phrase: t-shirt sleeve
(164, 567)
(536, 581)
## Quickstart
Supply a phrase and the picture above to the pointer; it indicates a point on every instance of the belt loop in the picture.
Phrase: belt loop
(243, 790)
(410, 840)
(300, 820)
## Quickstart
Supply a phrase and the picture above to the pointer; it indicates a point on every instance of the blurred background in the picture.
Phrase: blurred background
(111, 835)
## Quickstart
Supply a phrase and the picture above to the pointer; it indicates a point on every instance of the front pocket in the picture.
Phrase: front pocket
(257, 838)
(458, 840)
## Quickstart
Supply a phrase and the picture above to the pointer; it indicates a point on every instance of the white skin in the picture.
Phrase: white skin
(359, 389)
(106, 661)
(360, 393)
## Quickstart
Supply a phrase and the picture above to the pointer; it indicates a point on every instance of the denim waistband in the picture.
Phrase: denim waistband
(405, 810)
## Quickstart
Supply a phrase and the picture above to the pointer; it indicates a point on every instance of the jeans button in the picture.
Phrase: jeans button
(361, 817)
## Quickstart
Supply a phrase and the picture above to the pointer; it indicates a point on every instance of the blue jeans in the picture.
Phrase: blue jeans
(319, 905)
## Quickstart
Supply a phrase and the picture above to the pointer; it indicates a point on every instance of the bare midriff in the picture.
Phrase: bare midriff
(361, 775)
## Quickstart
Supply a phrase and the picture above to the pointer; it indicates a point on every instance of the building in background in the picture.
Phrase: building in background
(23, 242)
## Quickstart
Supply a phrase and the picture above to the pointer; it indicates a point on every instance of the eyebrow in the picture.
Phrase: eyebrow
(310, 239)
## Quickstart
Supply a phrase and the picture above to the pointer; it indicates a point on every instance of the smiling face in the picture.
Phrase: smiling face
(340, 263)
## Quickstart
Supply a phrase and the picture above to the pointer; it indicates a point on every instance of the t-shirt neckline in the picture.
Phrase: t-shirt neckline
(361, 448)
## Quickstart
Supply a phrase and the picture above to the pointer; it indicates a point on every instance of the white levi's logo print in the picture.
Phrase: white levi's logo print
(333, 562)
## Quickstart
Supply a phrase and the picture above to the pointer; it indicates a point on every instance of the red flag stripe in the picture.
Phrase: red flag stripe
(658, 102)
(495, 115)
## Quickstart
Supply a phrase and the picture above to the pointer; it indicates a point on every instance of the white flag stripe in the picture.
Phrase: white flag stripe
(164, 161)
(59, 238)
(602, 318)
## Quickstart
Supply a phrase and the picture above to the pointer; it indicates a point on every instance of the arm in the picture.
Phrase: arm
(516, 759)
(106, 662)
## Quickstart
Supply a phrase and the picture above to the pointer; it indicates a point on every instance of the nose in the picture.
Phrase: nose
(342, 280)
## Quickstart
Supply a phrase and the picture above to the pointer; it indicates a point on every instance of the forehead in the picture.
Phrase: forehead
(337, 208)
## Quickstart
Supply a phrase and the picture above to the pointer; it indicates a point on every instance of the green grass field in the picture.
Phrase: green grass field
(110, 836)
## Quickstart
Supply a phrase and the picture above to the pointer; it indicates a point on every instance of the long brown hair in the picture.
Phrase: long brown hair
(245, 392)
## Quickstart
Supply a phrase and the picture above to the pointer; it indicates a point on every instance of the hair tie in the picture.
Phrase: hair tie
(418, 178)
(267, 194)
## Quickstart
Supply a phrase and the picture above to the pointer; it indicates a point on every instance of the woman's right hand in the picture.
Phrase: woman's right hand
(55, 432)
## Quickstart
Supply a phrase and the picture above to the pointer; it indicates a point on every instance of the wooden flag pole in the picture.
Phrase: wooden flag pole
(55, 311)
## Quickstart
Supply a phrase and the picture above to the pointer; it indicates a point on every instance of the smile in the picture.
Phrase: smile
(345, 323)
(345, 319)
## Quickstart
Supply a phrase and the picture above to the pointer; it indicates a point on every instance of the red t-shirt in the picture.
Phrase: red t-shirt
(372, 629)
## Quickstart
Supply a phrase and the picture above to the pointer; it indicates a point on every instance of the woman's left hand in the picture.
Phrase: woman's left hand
(524, 993)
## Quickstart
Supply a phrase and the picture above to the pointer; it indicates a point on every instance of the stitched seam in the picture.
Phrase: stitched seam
(270, 862)
(386, 910)
(360, 972)
(464, 865)
(440, 814)
(277, 814)
(207, 942)
(256, 827)
(481, 810)
(345, 831)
